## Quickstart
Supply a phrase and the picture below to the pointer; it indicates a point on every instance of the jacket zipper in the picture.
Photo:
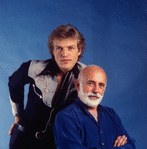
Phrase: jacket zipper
(48, 122)
(36, 92)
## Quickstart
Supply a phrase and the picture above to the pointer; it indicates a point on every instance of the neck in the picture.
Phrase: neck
(60, 73)
(94, 112)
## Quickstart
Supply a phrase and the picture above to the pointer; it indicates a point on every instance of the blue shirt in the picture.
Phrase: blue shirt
(76, 128)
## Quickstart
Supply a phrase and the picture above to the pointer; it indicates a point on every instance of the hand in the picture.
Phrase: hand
(16, 119)
(121, 140)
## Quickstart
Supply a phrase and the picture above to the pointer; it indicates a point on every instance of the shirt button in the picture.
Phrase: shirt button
(102, 143)
(101, 132)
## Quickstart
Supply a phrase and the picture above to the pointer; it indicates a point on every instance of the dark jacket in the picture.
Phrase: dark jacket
(43, 103)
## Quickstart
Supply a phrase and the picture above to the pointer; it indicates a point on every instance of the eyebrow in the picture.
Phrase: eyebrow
(57, 46)
(90, 81)
(65, 46)
(71, 46)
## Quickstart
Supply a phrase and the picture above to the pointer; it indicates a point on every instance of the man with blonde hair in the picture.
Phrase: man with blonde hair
(51, 88)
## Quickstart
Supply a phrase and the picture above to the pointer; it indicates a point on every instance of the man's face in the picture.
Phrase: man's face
(87, 100)
(66, 53)
(91, 88)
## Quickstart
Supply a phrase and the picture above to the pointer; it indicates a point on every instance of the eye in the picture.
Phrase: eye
(71, 48)
(102, 85)
(90, 83)
(58, 48)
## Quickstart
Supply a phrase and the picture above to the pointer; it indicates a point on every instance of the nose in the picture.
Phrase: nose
(96, 88)
(64, 52)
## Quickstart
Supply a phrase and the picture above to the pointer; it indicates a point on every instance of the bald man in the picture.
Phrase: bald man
(86, 124)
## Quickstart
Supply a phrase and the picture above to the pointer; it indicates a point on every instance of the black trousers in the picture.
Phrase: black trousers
(21, 139)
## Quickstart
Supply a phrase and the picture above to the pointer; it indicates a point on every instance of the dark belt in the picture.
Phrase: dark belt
(21, 128)
(24, 129)
(38, 135)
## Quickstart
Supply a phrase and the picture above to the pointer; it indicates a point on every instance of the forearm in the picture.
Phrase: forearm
(126, 146)
(123, 143)
(121, 131)
(16, 85)
(17, 108)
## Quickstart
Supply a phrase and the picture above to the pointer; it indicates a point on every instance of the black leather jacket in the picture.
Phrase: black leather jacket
(42, 104)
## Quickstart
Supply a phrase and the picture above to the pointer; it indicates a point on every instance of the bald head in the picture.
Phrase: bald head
(90, 70)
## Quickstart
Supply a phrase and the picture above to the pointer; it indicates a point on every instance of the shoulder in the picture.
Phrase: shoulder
(108, 110)
(69, 111)
(33, 63)
(37, 66)
(39, 63)
(23, 69)
(25, 65)
(80, 65)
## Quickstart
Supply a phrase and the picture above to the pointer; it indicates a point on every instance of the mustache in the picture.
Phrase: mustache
(94, 95)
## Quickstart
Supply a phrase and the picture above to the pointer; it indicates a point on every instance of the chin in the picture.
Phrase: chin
(87, 101)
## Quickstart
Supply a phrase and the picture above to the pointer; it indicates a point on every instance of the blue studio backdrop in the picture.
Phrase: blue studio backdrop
(116, 37)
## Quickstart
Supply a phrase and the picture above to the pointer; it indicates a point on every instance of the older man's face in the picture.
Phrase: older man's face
(92, 88)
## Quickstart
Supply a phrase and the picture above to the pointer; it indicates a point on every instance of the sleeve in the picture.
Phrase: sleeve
(66, 134)
(122, 131)
(16, 85)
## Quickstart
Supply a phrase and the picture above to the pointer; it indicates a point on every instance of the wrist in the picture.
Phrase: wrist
(17, 115)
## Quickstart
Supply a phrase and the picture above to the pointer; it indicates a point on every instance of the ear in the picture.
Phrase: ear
(79, 52)
(77, 85)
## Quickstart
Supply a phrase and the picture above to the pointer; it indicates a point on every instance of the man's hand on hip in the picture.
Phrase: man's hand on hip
(16, 119)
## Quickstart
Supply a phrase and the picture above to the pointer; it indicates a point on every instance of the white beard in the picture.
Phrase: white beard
(90, 102)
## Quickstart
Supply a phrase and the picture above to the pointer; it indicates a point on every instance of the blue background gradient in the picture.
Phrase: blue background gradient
(116, 37)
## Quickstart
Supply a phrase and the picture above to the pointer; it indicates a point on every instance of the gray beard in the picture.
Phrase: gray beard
(84, 97)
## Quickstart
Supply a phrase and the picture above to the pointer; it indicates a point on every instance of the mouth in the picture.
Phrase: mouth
(94, 97)
(66, 60)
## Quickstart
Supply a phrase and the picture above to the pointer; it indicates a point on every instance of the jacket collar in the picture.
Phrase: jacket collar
(52, 68)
